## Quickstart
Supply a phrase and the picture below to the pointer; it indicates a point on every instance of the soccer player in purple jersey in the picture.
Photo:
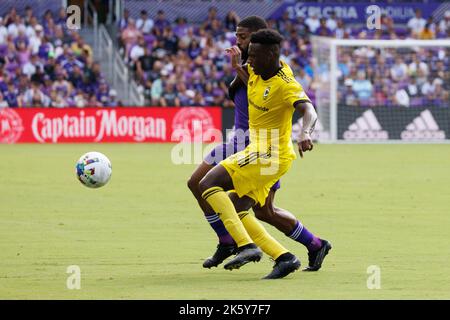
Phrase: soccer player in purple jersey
(280, 218)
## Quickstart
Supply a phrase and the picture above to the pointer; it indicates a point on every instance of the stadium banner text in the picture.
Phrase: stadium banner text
(356, 12)
(414, 124)
(73, 125)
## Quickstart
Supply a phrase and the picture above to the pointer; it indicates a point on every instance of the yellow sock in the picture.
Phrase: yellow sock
(260, 236)
(223, 206)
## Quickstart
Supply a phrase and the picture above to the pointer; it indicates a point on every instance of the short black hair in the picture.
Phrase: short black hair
(267, 36)
(253, 23)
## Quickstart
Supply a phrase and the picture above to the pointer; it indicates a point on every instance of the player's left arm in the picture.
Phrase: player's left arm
(307, 111)
(295, 96)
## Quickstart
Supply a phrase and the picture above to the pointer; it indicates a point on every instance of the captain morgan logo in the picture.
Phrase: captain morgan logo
(191, 123)
(11, 126)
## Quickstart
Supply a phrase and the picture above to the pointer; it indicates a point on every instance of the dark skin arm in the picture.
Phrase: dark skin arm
(304, 145)
(235, 55)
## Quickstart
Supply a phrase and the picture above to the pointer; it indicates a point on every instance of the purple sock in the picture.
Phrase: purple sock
(219, 228)
(302, 235)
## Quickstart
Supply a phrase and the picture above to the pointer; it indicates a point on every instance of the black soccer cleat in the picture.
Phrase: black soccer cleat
(316, 257)
(223, 251)
(284, 267)
(245, 254)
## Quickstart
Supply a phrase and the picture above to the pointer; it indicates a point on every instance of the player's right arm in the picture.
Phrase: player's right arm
(235, 55)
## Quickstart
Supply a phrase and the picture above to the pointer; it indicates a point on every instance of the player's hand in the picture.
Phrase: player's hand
(235, 55)
(305, 145)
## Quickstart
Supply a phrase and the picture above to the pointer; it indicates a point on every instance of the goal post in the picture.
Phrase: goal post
(381, 91)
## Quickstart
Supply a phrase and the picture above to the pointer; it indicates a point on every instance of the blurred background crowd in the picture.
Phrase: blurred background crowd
(179, 63)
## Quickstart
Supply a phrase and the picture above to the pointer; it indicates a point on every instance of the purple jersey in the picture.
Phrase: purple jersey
(241, 109)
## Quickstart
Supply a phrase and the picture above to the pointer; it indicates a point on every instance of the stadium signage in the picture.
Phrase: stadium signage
(106, 124)
(415, 124)
(354, 12)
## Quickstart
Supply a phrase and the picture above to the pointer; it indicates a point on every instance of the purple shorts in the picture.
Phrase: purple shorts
(223, 151)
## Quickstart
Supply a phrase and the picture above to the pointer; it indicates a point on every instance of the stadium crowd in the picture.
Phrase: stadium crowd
(178, 63)
(43, 63)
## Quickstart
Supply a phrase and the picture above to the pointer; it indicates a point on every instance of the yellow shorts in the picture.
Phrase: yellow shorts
(254, 172)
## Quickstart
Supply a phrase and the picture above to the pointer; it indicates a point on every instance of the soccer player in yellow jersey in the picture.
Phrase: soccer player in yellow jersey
(273, 95)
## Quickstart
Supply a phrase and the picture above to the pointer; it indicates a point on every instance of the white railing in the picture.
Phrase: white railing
(118, 70)
(91, 13)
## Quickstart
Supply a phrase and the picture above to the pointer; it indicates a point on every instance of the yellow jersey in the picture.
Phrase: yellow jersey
(271, 107)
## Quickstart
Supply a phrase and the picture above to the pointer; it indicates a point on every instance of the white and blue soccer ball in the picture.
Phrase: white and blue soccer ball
(94, 169)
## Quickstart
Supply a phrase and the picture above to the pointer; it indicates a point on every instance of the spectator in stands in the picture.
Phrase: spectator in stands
(313, 23)
(80, 99)
(401, 97)
(145, 23)
(198, 100)
(123, 23)
(211, 17)
(341, 32)
(426, 33)
(428, 88)
(181, 28)
(62, 17)
(349, 96)
(80, 47)
(137, 51)
(332, 21)
(28, 15)
(412, 88)
(417, 66)
(169, 96)
(399, 71)
(144, 64)
(3, 103)
(323, 30)
(3, 31)
(362, 87)
(231, 21)
(161, 22)
(440, 95)
(34, 97)
(113, 102)
(157, 88)
(416, 24)
(443, 27)
(303, 78)
(32, 66)
(170, 43)
(11, 96)
(284, 24)
(93, 102)
(130, 35)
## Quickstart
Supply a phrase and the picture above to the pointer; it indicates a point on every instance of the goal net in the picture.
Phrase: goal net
(382, 90)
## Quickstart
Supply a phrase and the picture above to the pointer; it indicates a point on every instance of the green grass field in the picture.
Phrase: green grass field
(143, 237)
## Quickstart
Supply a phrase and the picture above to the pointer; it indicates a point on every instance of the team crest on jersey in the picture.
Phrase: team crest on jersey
(266, 93)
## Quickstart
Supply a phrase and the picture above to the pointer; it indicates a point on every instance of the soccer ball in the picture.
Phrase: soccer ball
(93, 169)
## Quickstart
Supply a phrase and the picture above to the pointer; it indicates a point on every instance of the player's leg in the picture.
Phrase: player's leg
(281, 219)
(226, 246)
(285, 262)
(210, 216)
(287, 223)
(213, 187)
